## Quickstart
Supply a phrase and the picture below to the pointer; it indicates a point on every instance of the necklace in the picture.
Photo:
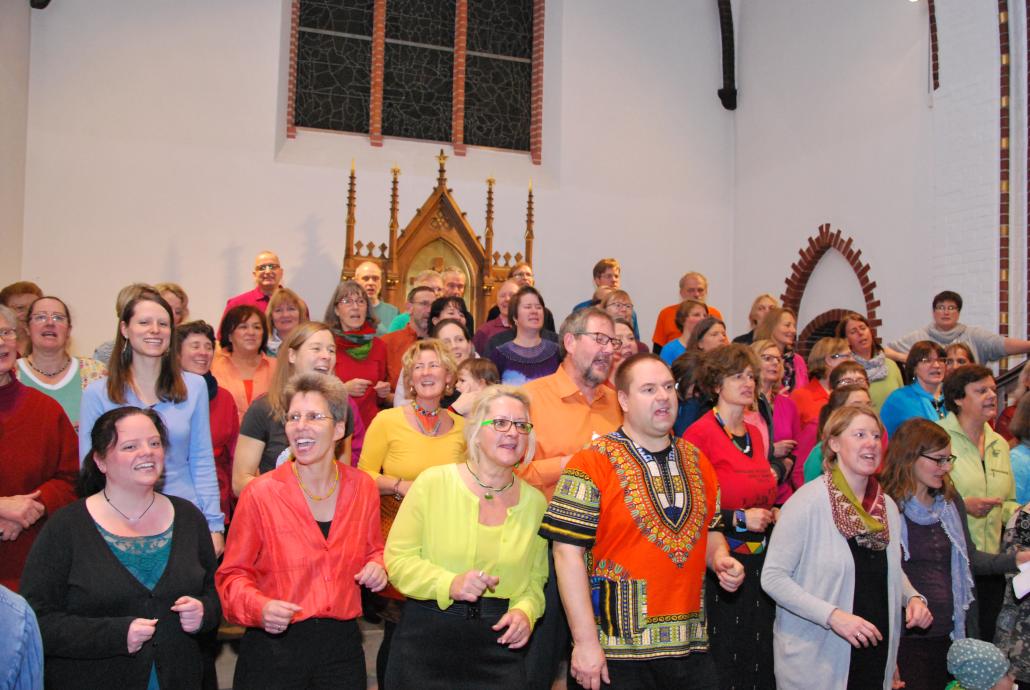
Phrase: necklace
(746, 448)
(313, 497)
(153, 497)
(420, 413)
(489, 495)
(67, 361)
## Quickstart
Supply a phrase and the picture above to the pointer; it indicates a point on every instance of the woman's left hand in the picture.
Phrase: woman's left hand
(191, 613)
(218, 541)
(917, 615)
(517, 634)
(372, 576)
(729, 571)
(382, 389)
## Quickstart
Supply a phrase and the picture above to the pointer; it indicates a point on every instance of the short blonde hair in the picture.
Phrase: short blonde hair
(176, 290)
(837, 424)
(754, 307)
(474, 422)
(428, 345)
(282, 295)
(823, 348)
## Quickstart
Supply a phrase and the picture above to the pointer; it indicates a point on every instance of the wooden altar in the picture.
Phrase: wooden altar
(438, 236)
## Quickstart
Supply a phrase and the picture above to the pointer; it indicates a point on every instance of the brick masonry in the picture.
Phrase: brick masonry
(934, 61)
(375, 108)
(536, 121)
(291, 89)
(1005, 70)
(461, 27)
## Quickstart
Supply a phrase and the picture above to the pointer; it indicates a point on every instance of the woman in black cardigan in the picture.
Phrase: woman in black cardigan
(122, 581)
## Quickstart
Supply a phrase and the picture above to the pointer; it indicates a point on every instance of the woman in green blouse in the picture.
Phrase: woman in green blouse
(464, 549)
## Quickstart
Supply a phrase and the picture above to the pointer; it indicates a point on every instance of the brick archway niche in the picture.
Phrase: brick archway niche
(801, 272)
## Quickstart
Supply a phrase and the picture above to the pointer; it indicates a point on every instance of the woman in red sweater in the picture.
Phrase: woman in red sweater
(739, 623)
(38, 454)
(360, 355)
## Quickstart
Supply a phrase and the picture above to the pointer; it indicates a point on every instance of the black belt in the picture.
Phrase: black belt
(481, 608)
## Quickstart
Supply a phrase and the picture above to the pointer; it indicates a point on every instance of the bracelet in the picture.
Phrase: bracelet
(396, 490)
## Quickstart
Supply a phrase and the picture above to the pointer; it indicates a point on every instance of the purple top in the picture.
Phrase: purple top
(517, 364)
(929, 570)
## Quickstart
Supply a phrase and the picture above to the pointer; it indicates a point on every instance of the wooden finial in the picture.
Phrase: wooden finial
(348, 250)
(392, 267)
(488, 236)
(441, 180)
(529, 225)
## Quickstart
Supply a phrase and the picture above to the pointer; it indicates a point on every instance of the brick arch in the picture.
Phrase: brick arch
(818, 245)
(827, 317)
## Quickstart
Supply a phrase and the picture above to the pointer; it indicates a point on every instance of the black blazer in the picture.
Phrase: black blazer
(85, 600)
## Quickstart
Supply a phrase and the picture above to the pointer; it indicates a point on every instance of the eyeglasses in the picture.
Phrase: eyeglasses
(931, 362)
(602, 339)
(772, 358)
(267, 267)
(620, 305)
(946, 307)
(346, 301)
(8, 334)
(295, 417)
(522, 274)
(42, 317)
(502, 425)
(842, 355)
(940, 460)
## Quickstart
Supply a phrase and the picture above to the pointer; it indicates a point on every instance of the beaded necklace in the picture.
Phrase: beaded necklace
(746, 449)
(313, 497)
(422, 414)
(67, 361)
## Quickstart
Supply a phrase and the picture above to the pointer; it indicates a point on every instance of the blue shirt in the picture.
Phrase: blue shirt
(906, 403)
(1020, 459)
(672, 350)
(21, 647)
(189, 460)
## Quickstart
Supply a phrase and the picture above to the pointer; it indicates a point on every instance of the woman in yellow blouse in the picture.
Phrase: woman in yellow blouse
(402, 442)
(465, 550)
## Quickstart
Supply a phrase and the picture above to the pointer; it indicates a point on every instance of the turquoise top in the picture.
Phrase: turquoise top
(145, 558)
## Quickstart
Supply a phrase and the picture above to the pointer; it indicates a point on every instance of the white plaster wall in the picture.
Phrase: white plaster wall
(155, 152)
(14, 101)
(835, 125)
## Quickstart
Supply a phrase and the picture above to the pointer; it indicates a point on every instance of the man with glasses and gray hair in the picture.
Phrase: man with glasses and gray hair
(568, 408)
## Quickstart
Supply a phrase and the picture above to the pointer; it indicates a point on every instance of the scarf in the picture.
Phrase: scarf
(212, 386)
(868, 527)
(357, 343)
(788, 371)
(945, 513)
(946, 338)
(875, 367)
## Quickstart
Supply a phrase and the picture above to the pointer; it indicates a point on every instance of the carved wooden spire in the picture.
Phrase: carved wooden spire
(441, 180)
(529, 225)
(349, 249)
(488, 236)
(392, 263)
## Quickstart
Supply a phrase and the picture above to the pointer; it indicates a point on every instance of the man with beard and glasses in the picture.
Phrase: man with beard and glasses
(646, 509)
(569, 409)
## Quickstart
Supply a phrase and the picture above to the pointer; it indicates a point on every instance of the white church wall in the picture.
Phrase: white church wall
(835, 126)
(14, 102)
(153, 155)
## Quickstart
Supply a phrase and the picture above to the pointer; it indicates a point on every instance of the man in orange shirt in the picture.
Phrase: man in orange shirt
(568, 409)
(693, 285)
(420, 299)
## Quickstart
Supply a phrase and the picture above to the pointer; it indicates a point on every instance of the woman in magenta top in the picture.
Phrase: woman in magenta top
(360, 355)
(739, 623)
(780, 325)
(775, 416)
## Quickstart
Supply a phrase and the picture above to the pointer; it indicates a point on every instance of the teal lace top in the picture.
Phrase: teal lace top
(145, 558)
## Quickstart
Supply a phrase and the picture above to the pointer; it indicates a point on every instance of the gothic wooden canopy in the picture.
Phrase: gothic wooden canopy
(438, 236)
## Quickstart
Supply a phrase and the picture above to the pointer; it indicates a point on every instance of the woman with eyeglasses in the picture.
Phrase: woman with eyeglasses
(48, 366)
(37, 456)
(924, 366)
(940, 556)
(882, 372)
(465, 551)
(529, 355)
(360, 355)
(776, 412)
(304, 541)
(747, 494)
(619, 305)
(982, 472)
(810, 399)
(242, 366)
(402, 442)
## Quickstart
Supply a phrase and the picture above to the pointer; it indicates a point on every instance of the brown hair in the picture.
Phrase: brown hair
(914, 437)
(479, 368)
(22, 287)
(170, 385)
(1020, 424)
(837, 424)
(236, 317)
(842, 330)
(726, 361)
(843, 369)
(684, 309)
(603, 265)
(622, 376)
(282, 295)
(955, 383)
(918, 351)
(964, 347)
(765, 327)
(284, 369)
(701, 330)
(350, 288)
(838, 399)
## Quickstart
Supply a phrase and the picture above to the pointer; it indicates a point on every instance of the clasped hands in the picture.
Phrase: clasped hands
(470, 586)
(141, 630)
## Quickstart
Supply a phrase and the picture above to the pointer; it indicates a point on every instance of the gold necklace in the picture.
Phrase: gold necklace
(313, 497)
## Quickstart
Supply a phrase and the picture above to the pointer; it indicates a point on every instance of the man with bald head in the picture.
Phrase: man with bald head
(268, 276)
(500, 324)
(370, 277)
(693, 286)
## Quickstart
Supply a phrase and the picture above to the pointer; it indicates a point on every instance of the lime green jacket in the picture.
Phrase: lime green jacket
(991, 476)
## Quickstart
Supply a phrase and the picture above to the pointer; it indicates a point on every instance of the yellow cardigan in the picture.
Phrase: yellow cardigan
(433, 539)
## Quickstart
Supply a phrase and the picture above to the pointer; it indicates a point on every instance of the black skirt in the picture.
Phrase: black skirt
(454, 649)
(869, 664)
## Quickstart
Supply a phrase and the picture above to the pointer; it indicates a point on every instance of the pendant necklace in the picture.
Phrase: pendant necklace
(746, 448)
(153, 497)
(489, 495)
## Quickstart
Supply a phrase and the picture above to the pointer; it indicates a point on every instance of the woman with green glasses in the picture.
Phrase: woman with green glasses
(465, 551)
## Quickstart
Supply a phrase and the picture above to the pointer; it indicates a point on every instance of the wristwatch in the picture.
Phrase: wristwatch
(740, 520)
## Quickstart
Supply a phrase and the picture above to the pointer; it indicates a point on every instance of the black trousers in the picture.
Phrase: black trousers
(314, 653)
(549, 644)
(695, 671)
(453, 649)
(990, 590)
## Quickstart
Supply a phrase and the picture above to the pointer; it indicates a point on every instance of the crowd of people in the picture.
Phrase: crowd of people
(508, 500)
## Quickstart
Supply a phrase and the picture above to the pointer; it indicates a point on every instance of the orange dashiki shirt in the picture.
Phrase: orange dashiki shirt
(644, 520)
